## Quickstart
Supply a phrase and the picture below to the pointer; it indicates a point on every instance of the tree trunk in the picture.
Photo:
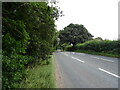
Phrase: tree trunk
(74, 44)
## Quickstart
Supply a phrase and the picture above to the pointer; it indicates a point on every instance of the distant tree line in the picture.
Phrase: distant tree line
(82, 40)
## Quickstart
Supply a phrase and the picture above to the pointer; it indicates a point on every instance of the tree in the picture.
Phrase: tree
(39, 19)
(73, 34)
(98, 38)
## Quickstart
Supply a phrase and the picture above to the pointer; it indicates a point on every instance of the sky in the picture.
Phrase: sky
(100, 17)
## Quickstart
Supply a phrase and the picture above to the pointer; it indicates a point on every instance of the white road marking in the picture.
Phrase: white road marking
(106, 60)
(66, 54)
(95, 57)
(80, 53)
(73, 52)
(78, 59)
(102, 59)
(75, 58)
(109, 72)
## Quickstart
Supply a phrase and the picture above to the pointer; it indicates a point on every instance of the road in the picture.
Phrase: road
(79, 70)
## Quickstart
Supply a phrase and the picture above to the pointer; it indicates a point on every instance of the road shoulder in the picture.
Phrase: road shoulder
(58, 76)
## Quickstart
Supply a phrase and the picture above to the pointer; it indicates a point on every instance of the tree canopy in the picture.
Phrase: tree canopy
(98, 38)
(74, 33)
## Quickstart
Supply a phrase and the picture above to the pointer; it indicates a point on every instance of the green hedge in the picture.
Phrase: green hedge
(14, 70)
(107, 46)
(28, 30)
(15, 42)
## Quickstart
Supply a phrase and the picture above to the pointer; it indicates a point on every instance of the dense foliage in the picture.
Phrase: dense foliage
(73, 34)
(100, 46)
(14, 45)
(103, 46)
(28, 37)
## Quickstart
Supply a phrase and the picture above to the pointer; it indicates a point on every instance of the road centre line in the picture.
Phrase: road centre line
(94, 57)
(102, 59)
(109, 72)
(66, 54)
(73, 52)
(75, 58)
(78, 59)
(80, 54)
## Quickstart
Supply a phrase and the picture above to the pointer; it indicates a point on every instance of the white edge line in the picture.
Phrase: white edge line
(102, 59)
(107, 60)
(66, 54)
(109, 72)
(78, 59)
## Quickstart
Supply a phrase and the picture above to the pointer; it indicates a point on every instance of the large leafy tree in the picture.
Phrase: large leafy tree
(73, 34)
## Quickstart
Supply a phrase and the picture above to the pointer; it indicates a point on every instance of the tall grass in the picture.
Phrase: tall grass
(40, 76)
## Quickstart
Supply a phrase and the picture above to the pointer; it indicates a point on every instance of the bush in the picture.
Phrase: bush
(13, 70)
(15, 42)
(103, 46)
(100, 46)
(28, 37)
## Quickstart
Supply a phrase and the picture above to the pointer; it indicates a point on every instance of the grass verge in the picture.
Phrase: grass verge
(100, 53)
(40, 76)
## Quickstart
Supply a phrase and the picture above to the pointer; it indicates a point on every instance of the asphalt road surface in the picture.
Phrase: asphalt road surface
(79, 70)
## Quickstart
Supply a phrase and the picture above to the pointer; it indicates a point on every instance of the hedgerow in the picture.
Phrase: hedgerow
(104, 46)
(28, 30)
(100, 46)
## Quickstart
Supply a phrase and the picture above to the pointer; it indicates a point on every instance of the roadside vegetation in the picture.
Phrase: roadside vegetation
(98, 47)
(76, 38)
(40, 76)
(29, 38)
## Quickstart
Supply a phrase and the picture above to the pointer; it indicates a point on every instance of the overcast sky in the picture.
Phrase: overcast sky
(100, 17)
